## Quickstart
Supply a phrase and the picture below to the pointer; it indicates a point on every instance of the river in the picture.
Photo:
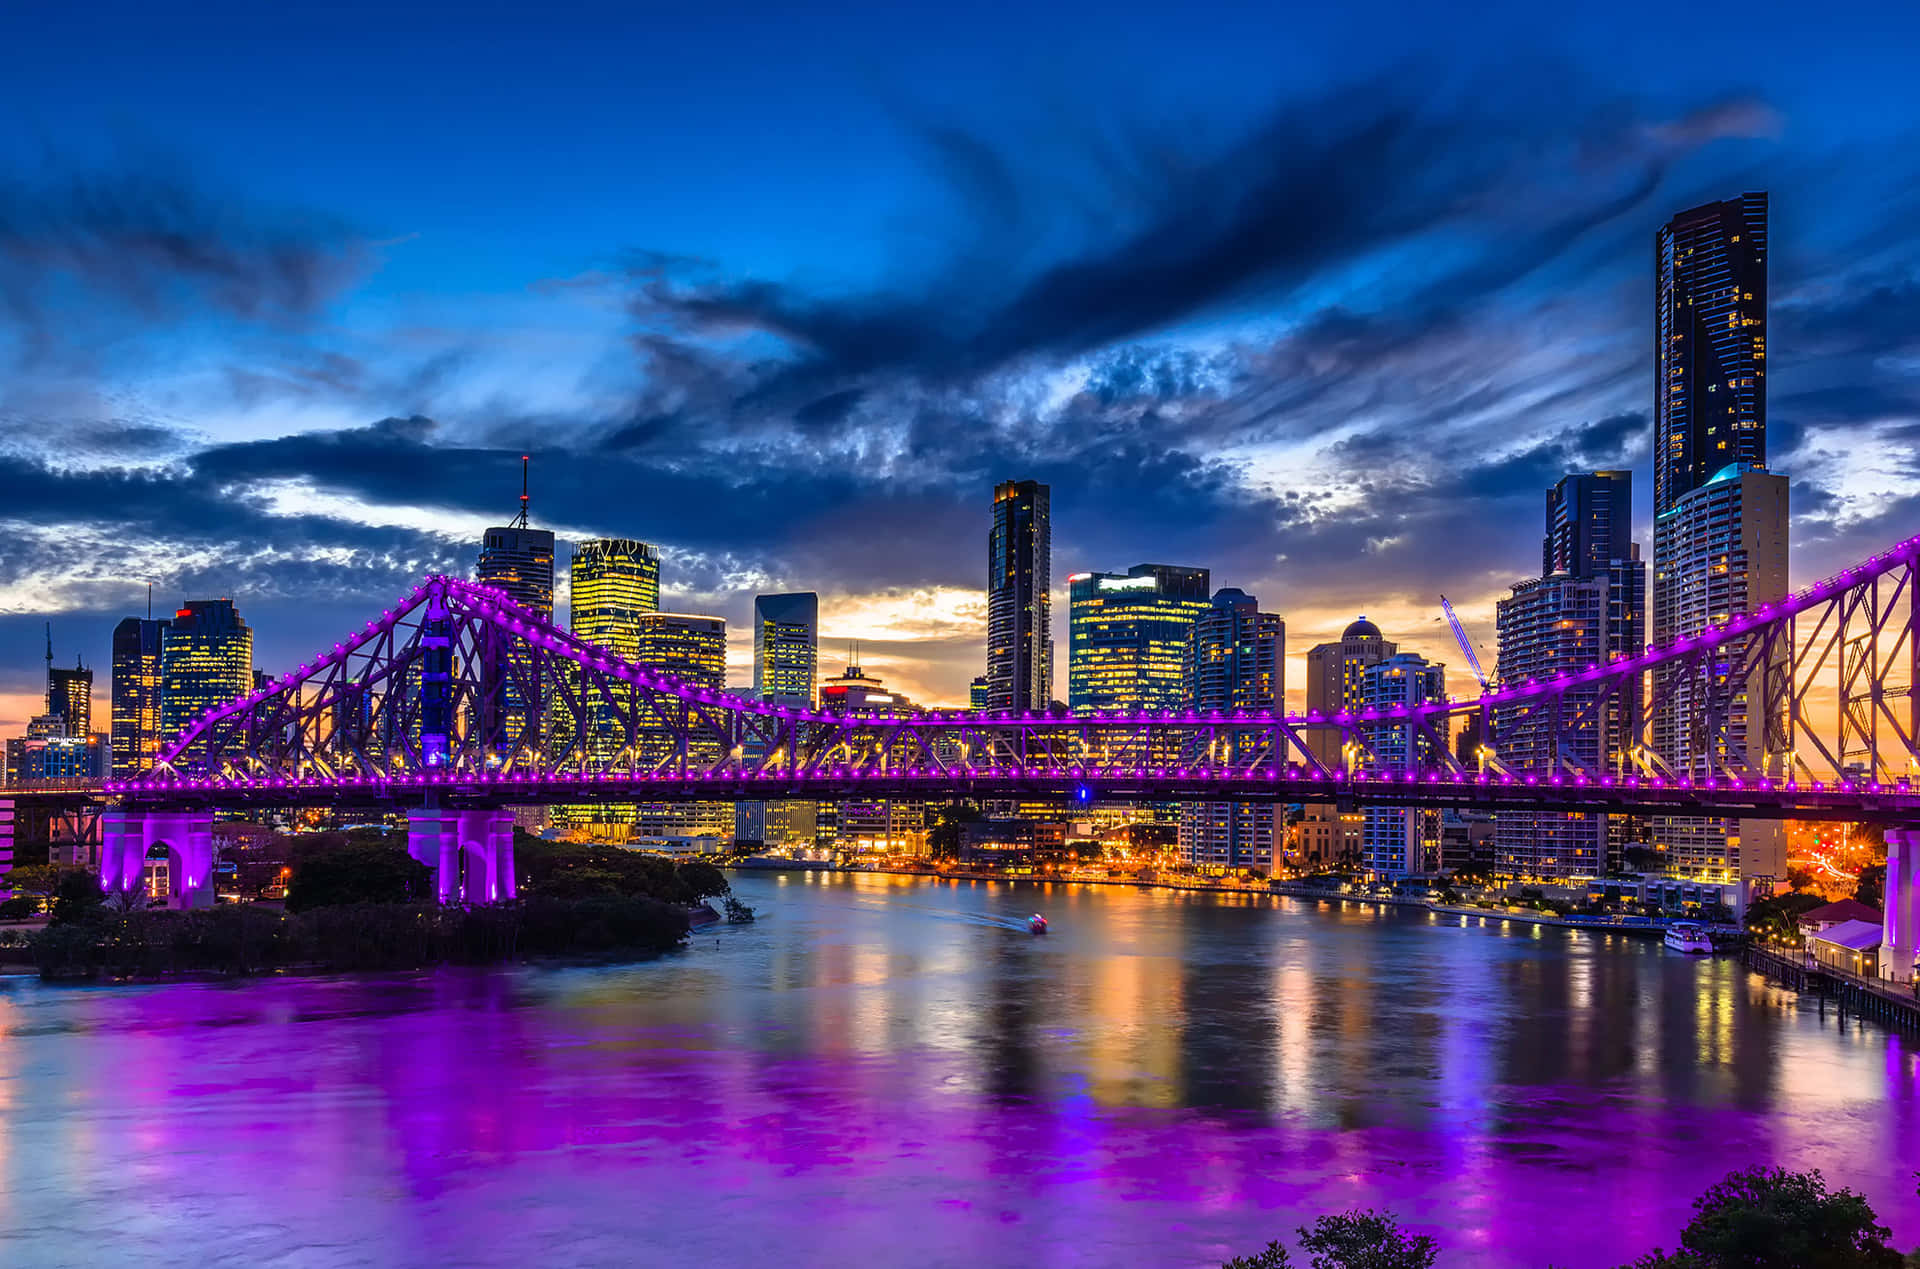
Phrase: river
(890, 1071)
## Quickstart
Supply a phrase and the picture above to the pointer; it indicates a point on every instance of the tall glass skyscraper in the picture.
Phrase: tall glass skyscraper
(1720, 519)
(1020, 598)
(70, 699)
(1236, 660)
(1710, 345)
(612, 582)
(1128, 637)
(518, 561)
(136, 694)
(1587, 607)
(206, 659)
(786, 644)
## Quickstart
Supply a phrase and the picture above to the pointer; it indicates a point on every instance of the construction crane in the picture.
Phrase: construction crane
(1460, 637)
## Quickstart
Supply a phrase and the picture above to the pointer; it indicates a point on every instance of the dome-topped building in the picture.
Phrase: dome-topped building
(1361, 629)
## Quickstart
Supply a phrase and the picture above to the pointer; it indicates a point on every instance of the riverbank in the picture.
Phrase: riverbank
(1643, 928)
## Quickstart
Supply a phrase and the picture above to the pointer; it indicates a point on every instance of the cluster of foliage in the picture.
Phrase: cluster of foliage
(1352, 1240)
(576, 870)
(943, 831)
(1758, 1218)
(251, 939)
(1778, 916)
(1870, 887)
(358, 873)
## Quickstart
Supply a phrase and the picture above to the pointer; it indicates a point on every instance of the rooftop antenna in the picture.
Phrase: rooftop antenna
(521, 523)
(49, 651)
(149, 601)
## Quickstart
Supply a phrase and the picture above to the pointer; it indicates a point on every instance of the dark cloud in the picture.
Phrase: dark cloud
(144, 236)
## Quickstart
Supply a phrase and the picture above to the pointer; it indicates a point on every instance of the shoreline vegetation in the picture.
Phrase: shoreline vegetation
(363, 904)
(1754, 1218)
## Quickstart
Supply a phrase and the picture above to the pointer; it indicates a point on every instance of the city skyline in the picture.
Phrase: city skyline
(341, 376)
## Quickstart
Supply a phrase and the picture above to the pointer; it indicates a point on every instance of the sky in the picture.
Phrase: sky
(1321, 301)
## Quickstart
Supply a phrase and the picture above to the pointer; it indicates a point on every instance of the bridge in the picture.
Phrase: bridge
(456, 703)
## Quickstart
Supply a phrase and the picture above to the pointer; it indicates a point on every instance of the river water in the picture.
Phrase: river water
(890, 1071)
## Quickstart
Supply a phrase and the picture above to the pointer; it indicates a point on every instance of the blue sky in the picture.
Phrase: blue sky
(1318, 299)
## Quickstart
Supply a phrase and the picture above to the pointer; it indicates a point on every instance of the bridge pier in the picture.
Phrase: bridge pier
(470, 853)
(1900, 934)
(127, 838)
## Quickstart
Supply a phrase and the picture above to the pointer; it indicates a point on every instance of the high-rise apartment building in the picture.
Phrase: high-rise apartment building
(1334, 673)
(786, 648)
(977, 693)
(136, 694)
(1020, 598)
(1236, 660)
(1720, 552)
(1129, 635)
(1720, 519)
(1397, 841)
(1710, 345)
(206, 659)
(1587, 608)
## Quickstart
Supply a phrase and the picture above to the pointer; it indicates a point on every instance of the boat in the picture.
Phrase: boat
(1036, 924)
(1688, 936)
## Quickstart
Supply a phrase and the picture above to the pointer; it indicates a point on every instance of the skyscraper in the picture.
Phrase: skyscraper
(1710, 345)
(1334, 676)
(136, 694)
(612, 581)
(1236, 660)
(206, 659)
(518, 561)
(1397, 841)
(70, 699)
(1719, 553)
(1128, 637)
(1720, 519)
(786, 642)
(1587, 607)
(694, 649)
(1020, 598)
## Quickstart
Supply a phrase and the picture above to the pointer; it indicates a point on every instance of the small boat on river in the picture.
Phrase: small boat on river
(1689, 936)
(1036, 924)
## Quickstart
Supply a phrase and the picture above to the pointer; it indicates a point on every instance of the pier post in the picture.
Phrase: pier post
(127, 838)
(1900, 932)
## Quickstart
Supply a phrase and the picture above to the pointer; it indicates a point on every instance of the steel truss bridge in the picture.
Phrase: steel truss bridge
(456, 702)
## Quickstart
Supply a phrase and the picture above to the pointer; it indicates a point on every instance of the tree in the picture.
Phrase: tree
(77, 897)
(943, 838)
(1870, 889)
(706, 881)
(1800, 878)
(1769, 1218)
(1365, 1240)
(38, 880)
(357, 874)
(1777, 916)
(1273, 1256)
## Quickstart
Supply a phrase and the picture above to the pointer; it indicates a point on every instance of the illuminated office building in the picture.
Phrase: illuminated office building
(136, 694)
(70, 698)
(1236, 661)
(1334, 673)
(693, 649)
(206, 660)
(977, 693)
(518, 561)
(1128, 636)
(1019, 598)
(612, 584)
(786, 641)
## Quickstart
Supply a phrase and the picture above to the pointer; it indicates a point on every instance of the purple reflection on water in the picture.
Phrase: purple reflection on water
(886, 1071)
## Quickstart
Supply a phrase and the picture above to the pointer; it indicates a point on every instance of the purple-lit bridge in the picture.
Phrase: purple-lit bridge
(456, 703)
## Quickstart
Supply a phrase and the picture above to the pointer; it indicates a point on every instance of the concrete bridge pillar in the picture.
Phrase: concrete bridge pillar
(127, 837)
(1900, 935)
(470, 853)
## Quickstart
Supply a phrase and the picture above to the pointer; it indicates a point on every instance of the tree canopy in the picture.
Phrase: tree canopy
(1769, 1218)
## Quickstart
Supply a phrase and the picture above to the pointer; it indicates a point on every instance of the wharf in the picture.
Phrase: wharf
(1865, 997)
